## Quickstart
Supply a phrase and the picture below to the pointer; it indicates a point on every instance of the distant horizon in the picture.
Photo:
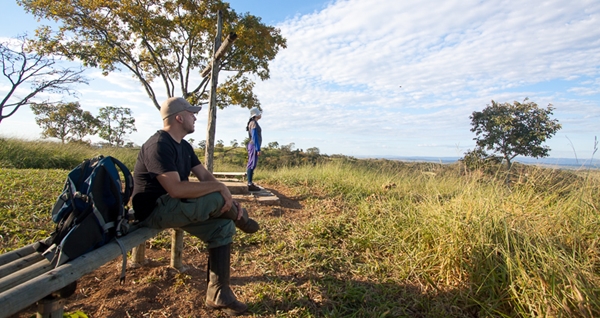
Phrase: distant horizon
(547, 161)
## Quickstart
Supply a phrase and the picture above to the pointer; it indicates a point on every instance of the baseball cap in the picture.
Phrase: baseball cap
(174, 105)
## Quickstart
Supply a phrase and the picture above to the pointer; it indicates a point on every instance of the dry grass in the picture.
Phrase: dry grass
(388, 239)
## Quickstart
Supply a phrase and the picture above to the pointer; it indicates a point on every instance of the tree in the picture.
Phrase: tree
(220, 144)
(167, 41)
(313, 151)
(64, 121)
(234, 144)
(513, 130)
(41, 73)
(288, 147)
(115, 123)
(202, 144)
(273, 145)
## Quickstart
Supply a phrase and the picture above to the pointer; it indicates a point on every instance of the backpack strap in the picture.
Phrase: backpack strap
(128, 190)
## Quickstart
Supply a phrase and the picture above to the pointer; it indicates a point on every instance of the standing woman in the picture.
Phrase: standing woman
(255, 135)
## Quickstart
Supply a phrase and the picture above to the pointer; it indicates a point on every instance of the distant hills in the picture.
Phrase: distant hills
(556, 162)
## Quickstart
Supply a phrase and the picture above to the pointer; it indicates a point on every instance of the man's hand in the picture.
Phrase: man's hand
(239, 209)
(228, 198)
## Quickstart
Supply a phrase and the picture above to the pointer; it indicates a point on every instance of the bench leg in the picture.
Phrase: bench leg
(177, 249)
(138, 255)
(51, 307)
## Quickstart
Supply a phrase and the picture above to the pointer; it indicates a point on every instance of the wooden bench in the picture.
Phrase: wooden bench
(26, 277)
(230, 175)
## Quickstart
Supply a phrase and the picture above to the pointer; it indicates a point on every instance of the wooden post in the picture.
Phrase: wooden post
(220, 52)
(138, 255)
(51, 307)
(212, 109)
(177, 249)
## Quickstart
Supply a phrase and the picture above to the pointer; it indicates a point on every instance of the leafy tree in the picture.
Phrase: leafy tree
(191, 141)
(512, 130)
(21, 66)
(313, 151)
(168, 41)
(220, 144)
(116, 123)
(202, 144)
(64, 121)
(273, 145)
(234, 144)
(288, 147)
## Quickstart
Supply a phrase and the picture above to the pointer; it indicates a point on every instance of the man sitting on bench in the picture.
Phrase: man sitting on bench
(164, 198)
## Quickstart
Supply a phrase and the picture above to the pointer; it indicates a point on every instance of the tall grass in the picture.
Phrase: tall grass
(16, 153)
(40, 154)
(472, 244)
(382, 238)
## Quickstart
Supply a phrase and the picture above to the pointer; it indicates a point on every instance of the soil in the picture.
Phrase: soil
(158, 290)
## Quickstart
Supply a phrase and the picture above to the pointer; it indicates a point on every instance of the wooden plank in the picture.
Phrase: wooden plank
(19, 264)
(16, 254)
(227, 174)
(25, 274)
(23, 295)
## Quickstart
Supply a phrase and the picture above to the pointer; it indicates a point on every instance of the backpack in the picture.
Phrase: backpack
(90, 211)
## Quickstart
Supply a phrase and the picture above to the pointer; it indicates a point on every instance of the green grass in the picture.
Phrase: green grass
(461, 244)
(389, 239)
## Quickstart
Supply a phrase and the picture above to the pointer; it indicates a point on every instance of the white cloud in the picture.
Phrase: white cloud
(343, 67)
(337, 84)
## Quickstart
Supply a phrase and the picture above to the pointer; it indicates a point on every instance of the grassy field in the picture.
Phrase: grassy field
(389, 239)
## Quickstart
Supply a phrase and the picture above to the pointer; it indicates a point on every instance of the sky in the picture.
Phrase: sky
(388, 78)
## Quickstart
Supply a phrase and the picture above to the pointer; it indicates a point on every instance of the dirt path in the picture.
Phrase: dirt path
(157, 290)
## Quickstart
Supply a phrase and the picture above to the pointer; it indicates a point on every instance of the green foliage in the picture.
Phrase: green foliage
(271, 145)
(65, 121)
(115, 124)
(383, 238)
(512, 130)
(26, 199)
(169, 42)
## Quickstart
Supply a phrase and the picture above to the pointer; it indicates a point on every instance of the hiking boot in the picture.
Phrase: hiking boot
(252, 187)
(246, 224)
(218, 294)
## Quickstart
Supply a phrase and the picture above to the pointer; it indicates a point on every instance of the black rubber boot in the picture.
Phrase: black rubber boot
(218, 294)
(245, 224)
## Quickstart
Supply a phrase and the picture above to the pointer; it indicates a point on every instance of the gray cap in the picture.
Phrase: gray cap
(174, 105)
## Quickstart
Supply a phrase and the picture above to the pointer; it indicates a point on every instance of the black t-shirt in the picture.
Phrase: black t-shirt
(158, 155)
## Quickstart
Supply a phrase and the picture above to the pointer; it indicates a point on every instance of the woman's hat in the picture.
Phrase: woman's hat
(255, 112)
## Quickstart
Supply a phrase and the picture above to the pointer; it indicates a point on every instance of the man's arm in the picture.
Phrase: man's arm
(178, 189)
(205, 176)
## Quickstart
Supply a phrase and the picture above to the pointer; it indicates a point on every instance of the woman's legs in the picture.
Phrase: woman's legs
(252, 161)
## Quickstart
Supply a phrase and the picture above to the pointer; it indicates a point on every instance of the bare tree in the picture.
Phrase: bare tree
(42, 73)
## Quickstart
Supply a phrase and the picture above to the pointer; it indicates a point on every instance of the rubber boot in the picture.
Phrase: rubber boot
(218, 294)
(246, 224)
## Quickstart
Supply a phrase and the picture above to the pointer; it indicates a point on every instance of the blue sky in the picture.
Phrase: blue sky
(337, 85)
